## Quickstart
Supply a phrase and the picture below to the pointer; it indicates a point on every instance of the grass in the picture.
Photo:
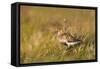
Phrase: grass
(39, 43)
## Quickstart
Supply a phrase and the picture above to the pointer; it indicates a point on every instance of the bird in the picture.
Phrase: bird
(67, 38)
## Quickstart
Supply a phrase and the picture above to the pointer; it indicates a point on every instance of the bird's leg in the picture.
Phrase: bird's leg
(68, 46)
